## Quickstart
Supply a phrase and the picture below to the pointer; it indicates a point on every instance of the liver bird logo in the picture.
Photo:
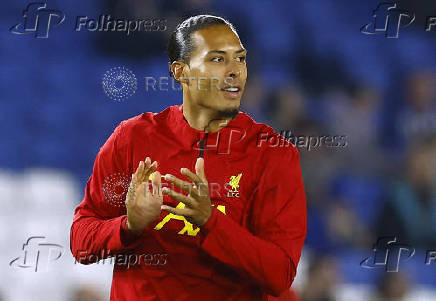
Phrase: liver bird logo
(234, 182)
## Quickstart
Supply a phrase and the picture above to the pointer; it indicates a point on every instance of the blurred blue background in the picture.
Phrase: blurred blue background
(311, 71)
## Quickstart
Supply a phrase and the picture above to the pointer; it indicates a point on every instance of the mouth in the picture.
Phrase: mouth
(232, 92)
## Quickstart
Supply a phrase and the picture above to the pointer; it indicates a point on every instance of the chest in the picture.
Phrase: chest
(231, 184)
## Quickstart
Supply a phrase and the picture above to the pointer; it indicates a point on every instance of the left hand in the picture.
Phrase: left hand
(198, 207)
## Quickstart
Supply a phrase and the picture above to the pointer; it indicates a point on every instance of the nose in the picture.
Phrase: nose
(232, 77)
(234, 74)
(233, 71)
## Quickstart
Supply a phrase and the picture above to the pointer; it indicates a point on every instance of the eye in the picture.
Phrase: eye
(242, 58)
(217, 59)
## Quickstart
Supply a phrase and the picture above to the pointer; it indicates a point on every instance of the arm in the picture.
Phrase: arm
(270, 253)
(99, 226)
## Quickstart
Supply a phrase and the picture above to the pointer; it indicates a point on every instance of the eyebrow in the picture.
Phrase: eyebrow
(224, 52)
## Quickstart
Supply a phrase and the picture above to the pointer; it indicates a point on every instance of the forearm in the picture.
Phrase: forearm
(92, 237)
(264, 261)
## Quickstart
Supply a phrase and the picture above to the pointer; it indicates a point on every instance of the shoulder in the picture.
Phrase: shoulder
(271, 147)
(144, 122)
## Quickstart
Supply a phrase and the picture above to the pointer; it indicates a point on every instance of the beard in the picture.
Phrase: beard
(228, 113)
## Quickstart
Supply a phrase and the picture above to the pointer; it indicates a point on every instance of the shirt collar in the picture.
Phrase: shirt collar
(190, 137)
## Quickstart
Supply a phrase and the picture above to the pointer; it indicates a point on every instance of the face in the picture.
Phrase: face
(217, 70)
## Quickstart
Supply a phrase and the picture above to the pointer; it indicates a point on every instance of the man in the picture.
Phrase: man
(225, 216)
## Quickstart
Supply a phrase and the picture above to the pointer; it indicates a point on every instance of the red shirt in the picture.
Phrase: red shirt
(249, 248)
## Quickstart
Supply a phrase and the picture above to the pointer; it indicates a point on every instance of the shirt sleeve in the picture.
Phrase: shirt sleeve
(269, 249)
(99, 224)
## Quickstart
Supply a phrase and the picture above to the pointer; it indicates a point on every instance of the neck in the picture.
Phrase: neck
(202, 118)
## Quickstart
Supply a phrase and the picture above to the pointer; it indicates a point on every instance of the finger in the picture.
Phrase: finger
(190, 175)
(156, 183)
(143, 171)
(185, 186)
(183, 212)
(133, 179)
(150, 170)
(202, 190)
(147, 163)
(199, 169)
(188, 201)
(146, 167)
(143, 168)
(139, 171)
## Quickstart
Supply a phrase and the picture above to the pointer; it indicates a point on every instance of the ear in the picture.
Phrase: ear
(178, 71)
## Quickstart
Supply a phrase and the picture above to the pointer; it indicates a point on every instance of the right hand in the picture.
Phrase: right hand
(143, 206)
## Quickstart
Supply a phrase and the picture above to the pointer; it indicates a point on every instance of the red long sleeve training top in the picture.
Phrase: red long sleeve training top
(249, 248)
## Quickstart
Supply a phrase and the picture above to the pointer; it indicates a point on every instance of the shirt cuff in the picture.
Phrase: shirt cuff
(127, 237)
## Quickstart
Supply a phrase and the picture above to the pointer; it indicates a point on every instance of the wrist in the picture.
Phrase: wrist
(127, 236)
(132, 230)
(207, 218)
(210, 223)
